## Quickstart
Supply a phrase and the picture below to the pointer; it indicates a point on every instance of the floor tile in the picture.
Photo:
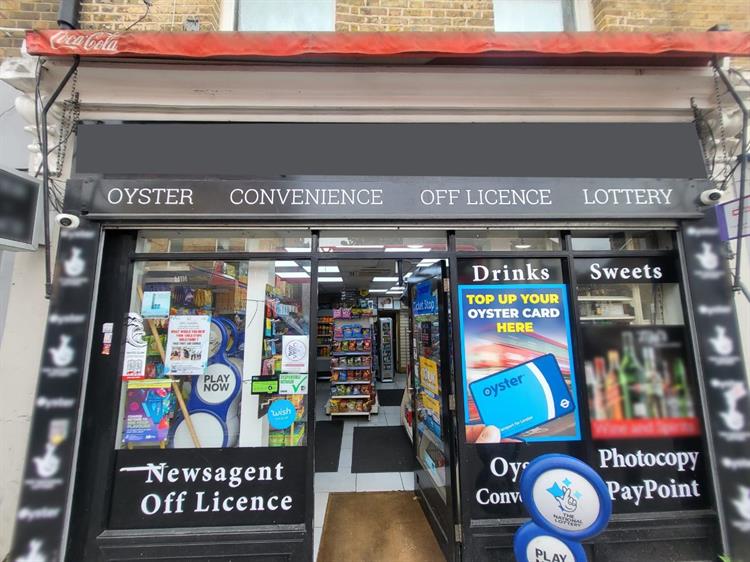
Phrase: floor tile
(345, 460)
(391, 411)
(335, 482)
(321, 502)
(379, 482)
(407, 478)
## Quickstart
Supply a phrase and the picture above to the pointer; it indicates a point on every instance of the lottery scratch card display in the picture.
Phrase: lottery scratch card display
(517, 364)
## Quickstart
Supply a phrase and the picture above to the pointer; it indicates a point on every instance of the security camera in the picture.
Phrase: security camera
(66, 220)
(710, 197)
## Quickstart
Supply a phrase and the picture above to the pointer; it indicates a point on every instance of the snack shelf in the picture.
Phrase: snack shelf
(358, 368)
(350, 413)
(347, 353)
(350, 382)
(348, 396)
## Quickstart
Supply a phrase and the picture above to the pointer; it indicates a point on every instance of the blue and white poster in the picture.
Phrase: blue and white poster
(517, 364)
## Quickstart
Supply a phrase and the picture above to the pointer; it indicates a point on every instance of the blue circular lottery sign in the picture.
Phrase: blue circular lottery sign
(566, 497)
(281, 414)
(534, 544)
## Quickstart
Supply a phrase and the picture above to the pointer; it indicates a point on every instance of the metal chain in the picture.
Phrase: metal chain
(720, 109)
(68, 123)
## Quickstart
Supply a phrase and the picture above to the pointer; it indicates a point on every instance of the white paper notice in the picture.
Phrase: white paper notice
(187, 345)
(294, 354)
(134, 365)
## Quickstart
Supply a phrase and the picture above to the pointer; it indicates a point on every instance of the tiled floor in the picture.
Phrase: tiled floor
(343, 480)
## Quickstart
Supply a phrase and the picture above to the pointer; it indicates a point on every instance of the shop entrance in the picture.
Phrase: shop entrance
(382, 460)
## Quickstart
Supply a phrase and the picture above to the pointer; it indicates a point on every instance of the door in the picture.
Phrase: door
(433, 426)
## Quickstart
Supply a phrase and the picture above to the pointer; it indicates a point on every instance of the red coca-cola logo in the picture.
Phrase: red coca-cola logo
(98, 41)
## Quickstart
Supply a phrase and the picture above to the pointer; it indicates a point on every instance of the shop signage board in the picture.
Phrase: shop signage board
(726, 389)
(41, 516)
(664, 469)
(568, 502)
(395, 197)
(169, 488)
(728, 216)
(20, 211)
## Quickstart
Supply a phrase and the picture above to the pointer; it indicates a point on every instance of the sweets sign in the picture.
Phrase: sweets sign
(398, 197)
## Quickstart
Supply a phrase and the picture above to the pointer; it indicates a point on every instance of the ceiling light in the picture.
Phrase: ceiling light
(384, 279)
(415, 246)
(322, 268)
(522, 246)
(426, 262)
(399, 293)
(292, 275)
(306, 250)
(377, 290)
(330, 280)
(397, 288)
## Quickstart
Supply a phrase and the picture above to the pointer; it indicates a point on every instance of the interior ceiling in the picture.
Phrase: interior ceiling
(358, 274)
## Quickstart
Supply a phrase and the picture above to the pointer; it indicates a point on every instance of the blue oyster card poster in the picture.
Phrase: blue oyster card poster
(517, 363)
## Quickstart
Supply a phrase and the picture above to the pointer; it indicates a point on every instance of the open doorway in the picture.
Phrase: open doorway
(373, 337)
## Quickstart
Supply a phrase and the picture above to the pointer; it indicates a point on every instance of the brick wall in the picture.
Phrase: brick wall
(414, 15)
(670, 15)
(163, 15)
(19, 15)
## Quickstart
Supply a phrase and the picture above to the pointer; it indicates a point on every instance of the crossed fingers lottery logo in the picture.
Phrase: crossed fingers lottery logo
(566, 497)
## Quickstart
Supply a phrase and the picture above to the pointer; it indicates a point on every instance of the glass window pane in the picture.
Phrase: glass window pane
(634, 348)
(529, 15)
(261, 240)
(625, 240)
(286, 15)
(203, 364)
(507, 240)
(417, 241)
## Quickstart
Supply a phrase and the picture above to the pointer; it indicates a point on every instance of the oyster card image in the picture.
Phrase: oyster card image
(523, 397)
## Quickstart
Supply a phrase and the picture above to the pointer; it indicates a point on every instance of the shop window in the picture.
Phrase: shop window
(417, 241)
(621, 241)
(262, 240)
(634, 348)
(507, 240)
(286, 15)
(216, 355)
(533, 15)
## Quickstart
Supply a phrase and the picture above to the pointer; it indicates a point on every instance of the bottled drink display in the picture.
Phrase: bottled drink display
(638, 374)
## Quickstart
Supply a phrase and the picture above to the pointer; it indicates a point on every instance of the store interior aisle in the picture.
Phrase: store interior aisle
(344, 480)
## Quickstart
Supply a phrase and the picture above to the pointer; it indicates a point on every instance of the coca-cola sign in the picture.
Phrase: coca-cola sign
(101, 41)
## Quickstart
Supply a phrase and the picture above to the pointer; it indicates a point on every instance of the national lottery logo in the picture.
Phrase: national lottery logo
(567, 499)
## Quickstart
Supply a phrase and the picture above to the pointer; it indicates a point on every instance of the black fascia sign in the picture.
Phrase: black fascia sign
(394, 197)
(727, 395)
(42, 508)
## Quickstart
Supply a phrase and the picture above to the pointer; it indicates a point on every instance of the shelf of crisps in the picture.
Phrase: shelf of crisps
(352, 389)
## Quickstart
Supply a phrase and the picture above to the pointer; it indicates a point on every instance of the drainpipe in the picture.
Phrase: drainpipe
(67, 14)
(45, 176)
(737, 285)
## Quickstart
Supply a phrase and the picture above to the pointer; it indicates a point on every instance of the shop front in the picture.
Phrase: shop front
(559, 287)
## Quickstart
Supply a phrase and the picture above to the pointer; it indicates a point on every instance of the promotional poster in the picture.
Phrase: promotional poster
(187, 345)
(518, 374)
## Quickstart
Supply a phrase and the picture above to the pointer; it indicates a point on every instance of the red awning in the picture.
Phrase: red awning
(555, 48)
